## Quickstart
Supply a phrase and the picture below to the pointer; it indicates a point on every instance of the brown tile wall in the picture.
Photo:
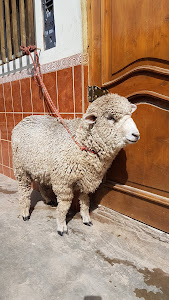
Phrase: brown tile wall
(21, 98)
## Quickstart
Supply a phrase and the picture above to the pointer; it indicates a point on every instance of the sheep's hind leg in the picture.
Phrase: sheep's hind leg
(84, 209)
(64, 200)
(24, 189)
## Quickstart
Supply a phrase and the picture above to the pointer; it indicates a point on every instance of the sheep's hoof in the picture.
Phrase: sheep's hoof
(26, 218)
(60, 233)
(88, 223)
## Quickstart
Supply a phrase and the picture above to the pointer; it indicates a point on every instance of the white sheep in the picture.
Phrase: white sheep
(44, 151)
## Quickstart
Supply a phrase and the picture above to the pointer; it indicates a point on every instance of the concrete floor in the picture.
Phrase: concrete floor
(115, 259)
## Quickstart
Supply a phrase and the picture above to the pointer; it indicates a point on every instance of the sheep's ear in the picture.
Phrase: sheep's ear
(90, 119)
(133, 107)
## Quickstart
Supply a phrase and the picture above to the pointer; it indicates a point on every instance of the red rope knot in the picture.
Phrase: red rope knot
(27, 50)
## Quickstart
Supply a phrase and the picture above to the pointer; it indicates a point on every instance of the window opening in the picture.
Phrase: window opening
(49, 24)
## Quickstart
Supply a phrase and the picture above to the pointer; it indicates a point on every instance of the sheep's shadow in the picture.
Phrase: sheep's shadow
(37, 197)
(116, 173)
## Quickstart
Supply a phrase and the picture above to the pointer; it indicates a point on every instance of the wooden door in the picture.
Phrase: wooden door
(129, 55)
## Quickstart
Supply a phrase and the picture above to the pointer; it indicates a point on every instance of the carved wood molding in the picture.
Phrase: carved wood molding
(148, 61)
(143, 68)
(148, 93)
(157, 100)
(137, 193)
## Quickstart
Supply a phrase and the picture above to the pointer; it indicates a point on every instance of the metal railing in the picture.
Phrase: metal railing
(16, 28)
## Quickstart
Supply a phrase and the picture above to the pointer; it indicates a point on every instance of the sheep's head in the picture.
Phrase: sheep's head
(109, 119)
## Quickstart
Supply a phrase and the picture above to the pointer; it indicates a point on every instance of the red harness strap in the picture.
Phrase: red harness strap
(27, 51)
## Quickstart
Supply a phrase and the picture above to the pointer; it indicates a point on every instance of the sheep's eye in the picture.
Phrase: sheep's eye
(110, 117)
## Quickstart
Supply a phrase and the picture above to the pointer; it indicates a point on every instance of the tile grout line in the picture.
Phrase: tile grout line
(12, 103)
(9, 158)
(6, 166)
(14, 125)
(5, 111)
(44, 108)
(6, 128)
(30, 86)
(2, 160)
(73, 77)
(21, 97)
(6, 140)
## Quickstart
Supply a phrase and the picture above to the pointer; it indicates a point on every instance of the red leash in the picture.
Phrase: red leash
(27, 51)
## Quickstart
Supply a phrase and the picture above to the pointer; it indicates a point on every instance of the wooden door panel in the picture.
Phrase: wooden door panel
(133, 60)
(139, 32)
(134, 205)
(135, 35)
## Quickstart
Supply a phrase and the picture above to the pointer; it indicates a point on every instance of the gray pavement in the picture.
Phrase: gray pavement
(116, 258)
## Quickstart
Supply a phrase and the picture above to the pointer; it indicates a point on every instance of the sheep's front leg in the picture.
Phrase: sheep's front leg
(64, 199)
(84, 208)
(24, 189)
